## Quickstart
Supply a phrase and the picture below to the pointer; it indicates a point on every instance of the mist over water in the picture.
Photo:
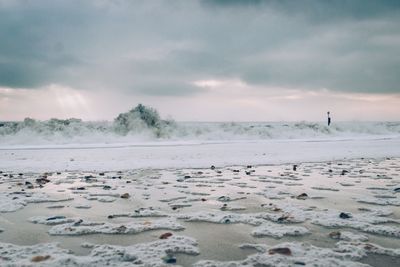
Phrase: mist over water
(144, 124)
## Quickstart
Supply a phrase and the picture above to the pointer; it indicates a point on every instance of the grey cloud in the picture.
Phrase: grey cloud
(160, 47)
(316, 9)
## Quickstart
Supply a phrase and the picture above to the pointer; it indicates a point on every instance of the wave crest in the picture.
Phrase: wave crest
(144, 123)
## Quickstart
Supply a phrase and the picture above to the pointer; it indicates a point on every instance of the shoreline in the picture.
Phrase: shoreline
(199, 156)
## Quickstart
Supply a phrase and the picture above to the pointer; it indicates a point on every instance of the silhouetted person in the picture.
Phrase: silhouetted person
(329, 118)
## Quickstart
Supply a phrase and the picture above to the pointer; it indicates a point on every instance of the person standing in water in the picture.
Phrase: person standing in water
(329, 118)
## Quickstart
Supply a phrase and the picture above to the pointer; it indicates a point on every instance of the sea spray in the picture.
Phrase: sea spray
(144, 123)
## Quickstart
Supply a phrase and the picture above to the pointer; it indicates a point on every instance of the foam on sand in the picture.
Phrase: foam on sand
(145, 254)
(83, 228)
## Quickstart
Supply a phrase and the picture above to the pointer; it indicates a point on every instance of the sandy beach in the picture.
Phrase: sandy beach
(340, 210)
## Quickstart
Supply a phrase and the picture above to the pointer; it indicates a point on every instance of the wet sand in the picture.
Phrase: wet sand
(221, 208)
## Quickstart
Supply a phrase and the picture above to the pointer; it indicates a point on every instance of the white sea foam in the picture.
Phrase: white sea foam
(143, 124)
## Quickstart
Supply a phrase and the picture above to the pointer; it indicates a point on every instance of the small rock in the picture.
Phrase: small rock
(284, 218)
(40, 258)
(29, 185)
(169, 259)
(344, 215)
(121, 229)
(369, 246)
(42, 180)
(125, 195)
(78, 222)
(58, 217)
(295, 167)
(302, 196)
(335, 235)
(165, 235)
(283, 251)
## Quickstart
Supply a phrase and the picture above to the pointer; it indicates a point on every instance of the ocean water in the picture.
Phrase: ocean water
(75, 131)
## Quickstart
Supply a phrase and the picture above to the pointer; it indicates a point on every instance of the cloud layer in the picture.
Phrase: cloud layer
(161, 47)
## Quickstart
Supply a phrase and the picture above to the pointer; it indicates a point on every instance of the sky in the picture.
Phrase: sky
(206, 60)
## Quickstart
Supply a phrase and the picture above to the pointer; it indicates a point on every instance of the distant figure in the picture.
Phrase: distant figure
(329, 118)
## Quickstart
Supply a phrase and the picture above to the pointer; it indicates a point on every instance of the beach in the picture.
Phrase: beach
(260, 203)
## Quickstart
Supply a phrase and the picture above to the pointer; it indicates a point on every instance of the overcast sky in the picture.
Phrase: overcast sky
(249, 60)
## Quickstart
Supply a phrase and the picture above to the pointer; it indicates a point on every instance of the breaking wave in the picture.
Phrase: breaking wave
(145, 124)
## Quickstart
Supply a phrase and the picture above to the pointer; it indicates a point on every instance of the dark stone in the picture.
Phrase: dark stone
(55, 218)
(125, 195)
(302, 196)
(42, 180)
(121, 229)
(344, 215)
(77, 223)
(169, 259)
(165, 235)
(282, 251)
